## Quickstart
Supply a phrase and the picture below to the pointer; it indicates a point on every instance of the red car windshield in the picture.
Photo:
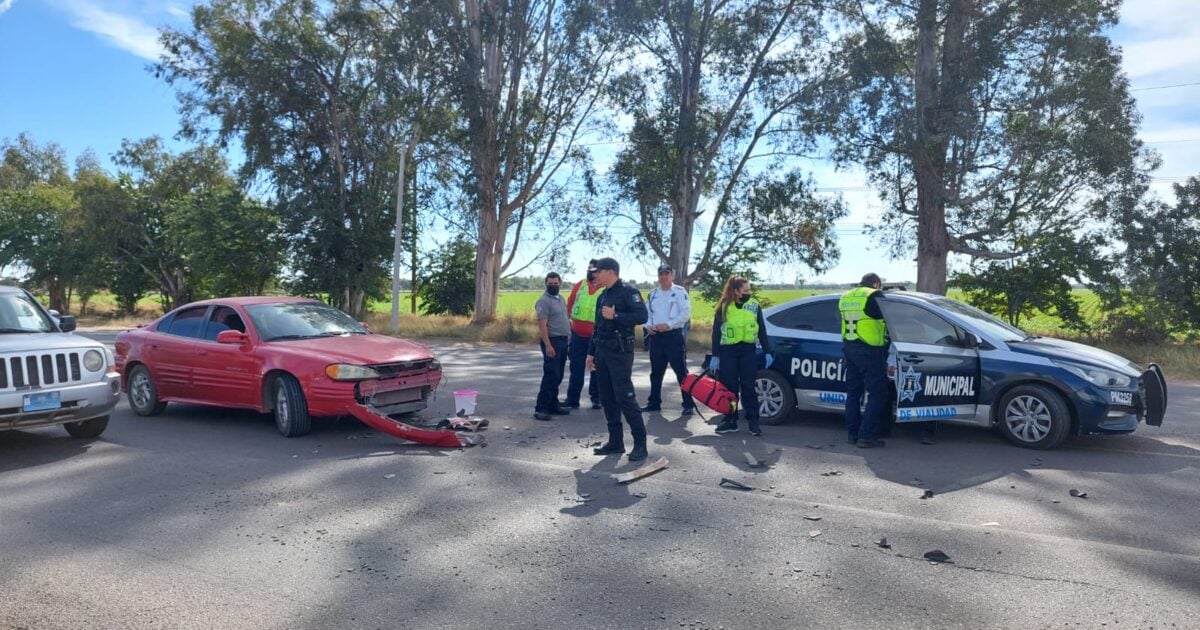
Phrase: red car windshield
(301, 320)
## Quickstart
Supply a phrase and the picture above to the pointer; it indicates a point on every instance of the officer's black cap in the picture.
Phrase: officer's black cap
(606, 263)
(664, 268)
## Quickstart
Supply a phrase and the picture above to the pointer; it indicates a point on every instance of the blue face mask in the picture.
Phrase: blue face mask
(552, 289)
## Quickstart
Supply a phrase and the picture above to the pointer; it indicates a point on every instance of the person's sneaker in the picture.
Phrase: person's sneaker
(561, 411)
(927, 440)
(573, 405)
(756, 431)
(652, 407)
(609, 449)
(869, 443)
(851, 440)
(687, 411)
(638, 453)
(537, 415)
(596, 405)
(727, 427)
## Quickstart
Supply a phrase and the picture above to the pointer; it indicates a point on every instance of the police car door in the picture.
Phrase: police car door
(937, 365)
(806, 340)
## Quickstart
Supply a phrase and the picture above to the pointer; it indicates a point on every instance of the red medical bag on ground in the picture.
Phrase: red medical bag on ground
(710, 392)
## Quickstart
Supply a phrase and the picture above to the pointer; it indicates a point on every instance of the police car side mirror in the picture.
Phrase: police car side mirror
(970, 340)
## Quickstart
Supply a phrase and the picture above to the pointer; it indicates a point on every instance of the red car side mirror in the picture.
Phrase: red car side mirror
(364, 325)
(234, 337)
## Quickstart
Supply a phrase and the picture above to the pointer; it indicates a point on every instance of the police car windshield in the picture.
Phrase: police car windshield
(987, 323)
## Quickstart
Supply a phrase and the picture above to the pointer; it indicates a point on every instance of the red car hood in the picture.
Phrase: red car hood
(355, 349)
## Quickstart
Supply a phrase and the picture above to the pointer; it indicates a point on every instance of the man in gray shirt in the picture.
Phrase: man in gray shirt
(554, 329)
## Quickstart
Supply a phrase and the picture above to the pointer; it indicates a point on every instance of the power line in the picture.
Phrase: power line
(1165, 87)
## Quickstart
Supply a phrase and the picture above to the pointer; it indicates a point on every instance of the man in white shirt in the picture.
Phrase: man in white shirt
(670, 312)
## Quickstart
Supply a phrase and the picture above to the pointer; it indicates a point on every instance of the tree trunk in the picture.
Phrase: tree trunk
(929, 158)
(487, 265)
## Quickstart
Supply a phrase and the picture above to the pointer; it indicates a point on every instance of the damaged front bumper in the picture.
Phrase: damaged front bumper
(378, 400)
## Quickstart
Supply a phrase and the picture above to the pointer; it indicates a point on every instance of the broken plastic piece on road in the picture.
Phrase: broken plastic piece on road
(442, 437)
(1077, 494)
(937, 555)
(729, 483)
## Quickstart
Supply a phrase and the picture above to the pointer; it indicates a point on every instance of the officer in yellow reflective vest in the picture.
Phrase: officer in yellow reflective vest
(865, 346)
(737, 325)
(581, 306)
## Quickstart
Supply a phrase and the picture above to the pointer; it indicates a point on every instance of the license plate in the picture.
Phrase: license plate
(1121, 398)
(41, 401)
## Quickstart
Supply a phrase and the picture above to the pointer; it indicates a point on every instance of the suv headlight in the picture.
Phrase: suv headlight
(93, 360)
(1095, 375)
(347, 372)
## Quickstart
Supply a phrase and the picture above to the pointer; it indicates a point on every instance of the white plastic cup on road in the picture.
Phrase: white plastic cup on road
(464, 402)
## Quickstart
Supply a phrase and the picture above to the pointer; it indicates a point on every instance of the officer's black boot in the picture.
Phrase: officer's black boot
(610, 448)
(639, 446)
(615, 444)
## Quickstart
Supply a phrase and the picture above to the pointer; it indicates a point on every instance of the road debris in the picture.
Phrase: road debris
(814, 533)
(928, 494)
(390, 476)
(937, 555)
(729, 483)
(809, 517)
(1077, 494)
(751, 461)
(648, 469)
(832, 473)
(882, 543)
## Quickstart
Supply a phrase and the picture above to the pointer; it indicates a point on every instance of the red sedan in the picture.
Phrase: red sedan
(293, 357)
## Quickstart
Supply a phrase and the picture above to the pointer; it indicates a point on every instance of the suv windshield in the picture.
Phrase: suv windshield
(19, 314)
(301, 320)
(988, 323)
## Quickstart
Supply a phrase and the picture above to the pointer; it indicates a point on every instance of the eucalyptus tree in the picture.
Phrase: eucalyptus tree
(528, 76)
(297, 83)
(713, 148)
(982, 123)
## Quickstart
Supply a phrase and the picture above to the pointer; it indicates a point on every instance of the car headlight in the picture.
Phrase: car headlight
(93, 360)
(434, 364)
(347, 372)
(1095, 375)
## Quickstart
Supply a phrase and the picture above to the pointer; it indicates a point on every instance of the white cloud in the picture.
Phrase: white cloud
(1159, 37)
(6, 5)
(127, 32)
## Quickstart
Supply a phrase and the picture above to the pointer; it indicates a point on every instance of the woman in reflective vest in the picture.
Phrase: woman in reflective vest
(737, 325)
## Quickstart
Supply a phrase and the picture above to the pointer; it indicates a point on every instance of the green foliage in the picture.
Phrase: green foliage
(1161, 263)
(712, 115)
(448, 287)
(1040, 281)
(231, 245)
(983, 124)
(297, 84)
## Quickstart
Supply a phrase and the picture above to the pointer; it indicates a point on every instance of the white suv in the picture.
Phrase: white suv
(48, 376)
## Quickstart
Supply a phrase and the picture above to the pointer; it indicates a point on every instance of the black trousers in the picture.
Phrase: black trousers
(578, 349)
(668, 348)
(552, 375)
(614, 379)
(738, 370)
(866, 372)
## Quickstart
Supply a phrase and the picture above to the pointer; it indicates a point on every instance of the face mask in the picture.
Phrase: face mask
(552, 289)
(742, 299)
(591, 277)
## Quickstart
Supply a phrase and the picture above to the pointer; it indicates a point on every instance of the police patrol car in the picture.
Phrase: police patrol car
(951, 362)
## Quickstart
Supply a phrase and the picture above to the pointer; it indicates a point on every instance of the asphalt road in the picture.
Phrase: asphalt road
(204, 518)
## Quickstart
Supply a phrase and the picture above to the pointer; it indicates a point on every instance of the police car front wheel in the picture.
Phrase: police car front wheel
(1034, 416)
(776, 398)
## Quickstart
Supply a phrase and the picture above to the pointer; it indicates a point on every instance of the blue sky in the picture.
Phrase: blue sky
(74, 72)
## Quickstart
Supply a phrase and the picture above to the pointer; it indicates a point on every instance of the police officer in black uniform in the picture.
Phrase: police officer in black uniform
(618, 311)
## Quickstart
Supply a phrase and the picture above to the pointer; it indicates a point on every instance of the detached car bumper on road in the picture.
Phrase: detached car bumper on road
(950, 362)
